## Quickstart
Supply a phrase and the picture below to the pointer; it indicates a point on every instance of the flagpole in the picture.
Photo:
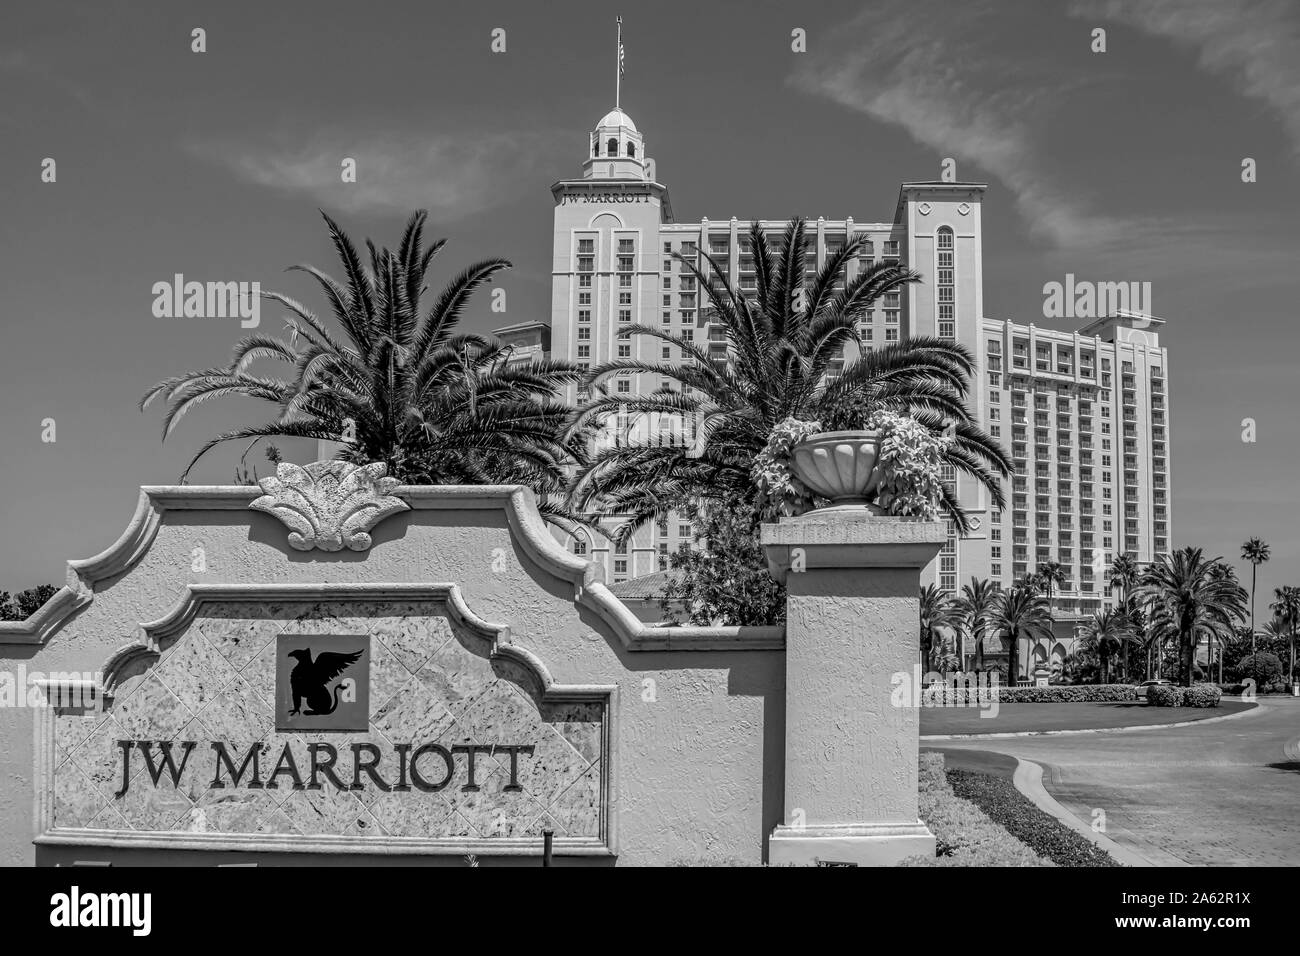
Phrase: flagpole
(618, 65)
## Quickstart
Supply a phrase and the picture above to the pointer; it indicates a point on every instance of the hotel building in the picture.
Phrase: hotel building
(1083, 414)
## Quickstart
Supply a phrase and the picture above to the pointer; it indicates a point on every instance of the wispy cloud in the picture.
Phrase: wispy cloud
(1255, 43)
(937, 70)
(450, 175)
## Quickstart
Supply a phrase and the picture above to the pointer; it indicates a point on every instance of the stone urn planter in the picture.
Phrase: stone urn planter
(841, 466)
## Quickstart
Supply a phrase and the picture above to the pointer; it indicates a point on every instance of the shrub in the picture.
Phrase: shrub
(964, 836)
(1164, 695)
(1263, 667)
(1201, 695)
(1232, 690)
(1040, 831)
(1054, 694)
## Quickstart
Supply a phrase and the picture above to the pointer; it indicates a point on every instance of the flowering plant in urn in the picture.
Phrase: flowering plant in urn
(893, 464)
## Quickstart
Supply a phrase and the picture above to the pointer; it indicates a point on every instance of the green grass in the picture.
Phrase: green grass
(1041, 832)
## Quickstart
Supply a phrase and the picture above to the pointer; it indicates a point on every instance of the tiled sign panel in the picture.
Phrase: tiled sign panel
(457, 745)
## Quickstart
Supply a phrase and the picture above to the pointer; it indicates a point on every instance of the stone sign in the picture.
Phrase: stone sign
(455, 744)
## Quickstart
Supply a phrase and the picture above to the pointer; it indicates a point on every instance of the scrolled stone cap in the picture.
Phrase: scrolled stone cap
(329, 505)
(850, 538)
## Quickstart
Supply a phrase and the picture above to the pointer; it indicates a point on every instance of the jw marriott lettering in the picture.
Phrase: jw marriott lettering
(427, 768)
(641, 196)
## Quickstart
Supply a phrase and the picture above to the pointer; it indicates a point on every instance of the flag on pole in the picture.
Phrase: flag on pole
(621, 70)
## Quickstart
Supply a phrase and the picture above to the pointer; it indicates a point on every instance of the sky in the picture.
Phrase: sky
(1122, 165)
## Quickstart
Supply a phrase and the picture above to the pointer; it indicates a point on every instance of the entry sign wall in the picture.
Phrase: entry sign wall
(293, 723)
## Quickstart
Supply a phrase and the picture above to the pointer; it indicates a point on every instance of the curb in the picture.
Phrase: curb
(1093, 730)
(1028, 779)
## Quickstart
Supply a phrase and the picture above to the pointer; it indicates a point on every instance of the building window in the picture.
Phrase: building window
(611, 147)
(579, 547)
(631, 149)
(584, 315)
(586, 246)
(584, 333)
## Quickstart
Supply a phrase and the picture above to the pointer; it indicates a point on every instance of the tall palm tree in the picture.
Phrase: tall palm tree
(1189, 599)
(1223, 570)
(782, 340)
(1124, 573)
(976, 601)
(1051, 575)
(400, 385)
(937, 610)
(1019, 613)
(1286, 606)
(1256, 551)
(1105, 630)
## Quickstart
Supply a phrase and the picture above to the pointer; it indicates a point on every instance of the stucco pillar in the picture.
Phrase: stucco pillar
(852, 624)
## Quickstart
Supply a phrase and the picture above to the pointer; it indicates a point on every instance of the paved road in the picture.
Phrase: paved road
(1225, 793)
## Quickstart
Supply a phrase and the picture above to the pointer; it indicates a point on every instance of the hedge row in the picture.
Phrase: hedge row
(964, 835)
(945, 695)
(1198, 695)
(1005, 805)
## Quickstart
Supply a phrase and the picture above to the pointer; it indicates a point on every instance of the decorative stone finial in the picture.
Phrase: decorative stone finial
(329, 504)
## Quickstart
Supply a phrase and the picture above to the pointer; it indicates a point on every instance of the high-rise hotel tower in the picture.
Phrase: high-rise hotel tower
(1083, 414)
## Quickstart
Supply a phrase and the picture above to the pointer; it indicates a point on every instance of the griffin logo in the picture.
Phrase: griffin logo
(309, 680)
(322, 682)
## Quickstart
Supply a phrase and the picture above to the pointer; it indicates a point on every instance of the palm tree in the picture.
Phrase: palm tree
(1256, 551)
(937, 610)
(1124, 573)
(1286, 606)
(1107, 629)
(401, 386)
(1051, 574)
(782, 340)
(1220, 569)
(1029, 582)
(976, 600)
(1019, 613)
(1189, 599)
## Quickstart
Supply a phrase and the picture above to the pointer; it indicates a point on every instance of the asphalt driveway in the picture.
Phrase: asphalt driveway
(1224, 793)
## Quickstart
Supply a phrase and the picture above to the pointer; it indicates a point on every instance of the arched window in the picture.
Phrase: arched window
(595, 144)
(612, 147)
(631, 149)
